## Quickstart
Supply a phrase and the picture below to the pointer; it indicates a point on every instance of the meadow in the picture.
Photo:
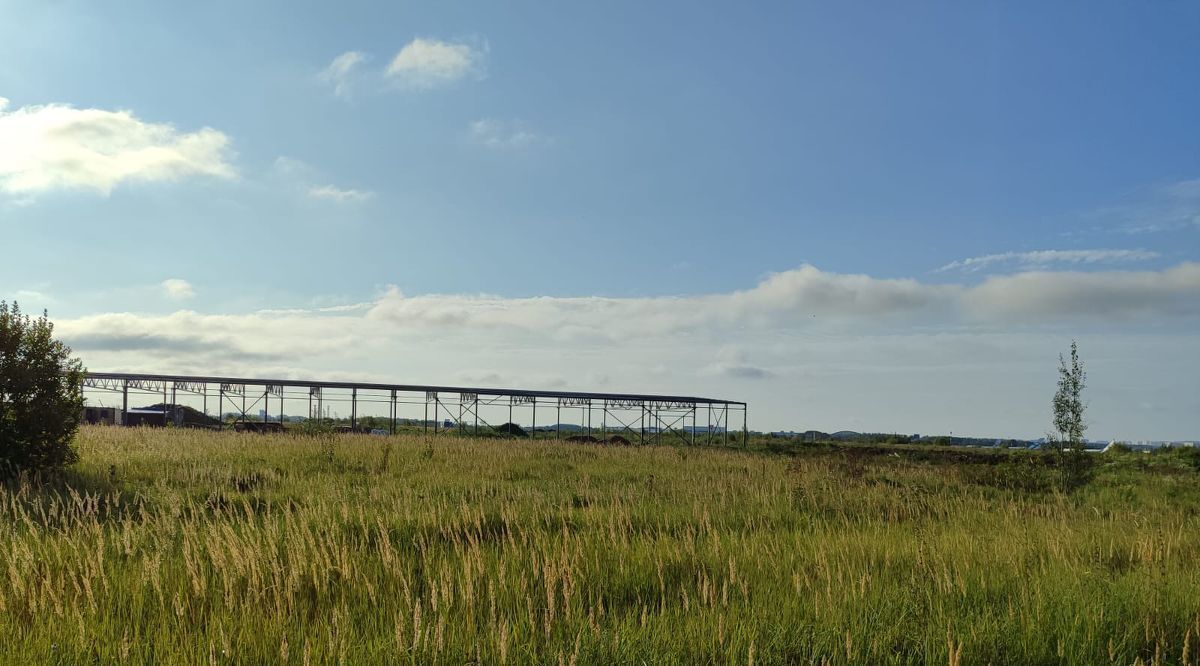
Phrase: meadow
(177, 546)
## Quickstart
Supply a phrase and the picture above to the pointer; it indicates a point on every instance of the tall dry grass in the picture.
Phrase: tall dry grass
(197, 547)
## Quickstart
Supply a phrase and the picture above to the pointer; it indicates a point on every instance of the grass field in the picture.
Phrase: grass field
(199, 547)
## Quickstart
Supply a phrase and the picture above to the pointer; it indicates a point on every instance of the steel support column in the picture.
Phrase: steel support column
(708, 427)
(725, 429)
(642, 423)
(745, 429)
(693, 425)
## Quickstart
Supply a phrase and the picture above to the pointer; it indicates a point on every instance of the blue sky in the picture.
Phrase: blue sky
(909, 209)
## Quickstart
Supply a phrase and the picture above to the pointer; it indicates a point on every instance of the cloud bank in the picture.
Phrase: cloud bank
(808, 348)
(1153, 297)
(802, 300)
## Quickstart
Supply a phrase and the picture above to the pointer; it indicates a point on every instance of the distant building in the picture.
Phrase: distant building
(154, 417)
(101, 416)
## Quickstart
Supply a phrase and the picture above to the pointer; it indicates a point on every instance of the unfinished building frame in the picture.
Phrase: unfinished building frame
(640, 418)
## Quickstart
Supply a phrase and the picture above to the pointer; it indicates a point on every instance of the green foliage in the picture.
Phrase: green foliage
(1023, 471)
(1068, 401)
(313, 427)
(1068, 408)
(41, 396)
(1186, 455)
(177, 546)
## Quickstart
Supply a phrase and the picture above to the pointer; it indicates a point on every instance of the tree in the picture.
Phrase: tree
(41, 397)
(1068, 419)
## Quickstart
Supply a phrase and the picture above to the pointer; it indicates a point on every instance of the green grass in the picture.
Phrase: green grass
(199, 547)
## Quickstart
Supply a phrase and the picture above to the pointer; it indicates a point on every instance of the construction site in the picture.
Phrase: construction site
(272, 405)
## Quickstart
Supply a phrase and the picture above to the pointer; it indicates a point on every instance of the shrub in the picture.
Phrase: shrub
(41, 397)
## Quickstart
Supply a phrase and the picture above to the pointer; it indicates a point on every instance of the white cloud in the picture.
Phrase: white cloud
(809, 291)
(340, 70)
(1183, 189)
(37, 298)
(177, 289)
(290, 167)
(57, 146)
(499, 134)
(331, 193)
(302, 177)
(425, 63)
(1041, 258)
(1171, 207)
(1151, 296)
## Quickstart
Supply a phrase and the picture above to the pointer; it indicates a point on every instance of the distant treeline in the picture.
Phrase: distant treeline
(894, 438)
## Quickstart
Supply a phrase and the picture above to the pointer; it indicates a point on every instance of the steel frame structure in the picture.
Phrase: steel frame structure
(648, 418)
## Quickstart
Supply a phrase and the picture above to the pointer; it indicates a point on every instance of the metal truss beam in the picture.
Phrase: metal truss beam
(189, 387)
(635, 398)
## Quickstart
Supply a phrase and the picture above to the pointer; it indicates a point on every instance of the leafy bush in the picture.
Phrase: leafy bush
(41, 397)
(1189, 455)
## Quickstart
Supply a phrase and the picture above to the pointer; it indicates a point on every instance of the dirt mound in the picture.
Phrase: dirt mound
(191, 416)
(583, 438)
(619, 440)
(512, 430)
